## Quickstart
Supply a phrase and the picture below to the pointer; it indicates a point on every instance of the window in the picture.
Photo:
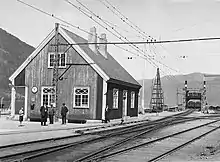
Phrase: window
(81, 97)
(115, 98)
(132, 99)
(48, 96)
(61, 62)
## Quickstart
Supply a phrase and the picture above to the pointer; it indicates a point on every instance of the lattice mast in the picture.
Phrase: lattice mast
(204, 98)
(157, 98)
(55, 70)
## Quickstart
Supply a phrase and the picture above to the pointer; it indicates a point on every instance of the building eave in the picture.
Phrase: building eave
(137, 86)
(32, 55)
(69, 40)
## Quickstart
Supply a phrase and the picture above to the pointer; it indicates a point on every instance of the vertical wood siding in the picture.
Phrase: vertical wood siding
(117, 113)
(99, 97)
(38, 74)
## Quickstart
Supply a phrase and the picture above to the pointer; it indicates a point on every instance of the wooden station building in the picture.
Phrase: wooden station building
(91, 79)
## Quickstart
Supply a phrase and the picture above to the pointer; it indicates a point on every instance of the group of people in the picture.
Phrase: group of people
(45, 112)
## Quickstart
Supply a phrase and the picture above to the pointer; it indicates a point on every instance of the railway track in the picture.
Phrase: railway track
(110, 137)
(152, 149)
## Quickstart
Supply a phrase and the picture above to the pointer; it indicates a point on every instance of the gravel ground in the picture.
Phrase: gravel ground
(205, 149)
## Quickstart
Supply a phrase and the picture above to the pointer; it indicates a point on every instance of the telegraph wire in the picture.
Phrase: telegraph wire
(77, 27)
(150, 60)
(116, 26)
(121, 43)
(111, 27)
(136, 29)
(52, 15)
(119, 37)
(123, 18)
(118, 33)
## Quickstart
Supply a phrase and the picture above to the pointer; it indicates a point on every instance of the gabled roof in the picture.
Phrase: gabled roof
(109, 69)
(110, 66)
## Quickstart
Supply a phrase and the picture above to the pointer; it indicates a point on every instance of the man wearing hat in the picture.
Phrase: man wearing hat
(64, 111)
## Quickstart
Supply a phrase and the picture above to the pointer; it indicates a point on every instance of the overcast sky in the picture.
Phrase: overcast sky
(161, 19)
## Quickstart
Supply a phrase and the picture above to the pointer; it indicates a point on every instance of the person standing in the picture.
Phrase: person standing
(44, 114)
(51, 114)
(107, 114)
(21, 115)
(64, 111)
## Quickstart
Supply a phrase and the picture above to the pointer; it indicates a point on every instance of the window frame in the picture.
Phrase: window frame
(132, 99)
(49, 96)
(74, 97)
(113, 99)
(59, 55)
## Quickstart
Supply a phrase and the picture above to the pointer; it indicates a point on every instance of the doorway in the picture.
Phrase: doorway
(125, 105)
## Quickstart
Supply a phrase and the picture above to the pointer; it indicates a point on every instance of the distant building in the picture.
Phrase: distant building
(94, 80)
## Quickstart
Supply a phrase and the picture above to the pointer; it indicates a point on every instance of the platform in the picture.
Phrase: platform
(12, 133)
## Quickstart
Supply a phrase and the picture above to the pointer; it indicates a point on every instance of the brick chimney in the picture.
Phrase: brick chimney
(93, 39)
(103, 47)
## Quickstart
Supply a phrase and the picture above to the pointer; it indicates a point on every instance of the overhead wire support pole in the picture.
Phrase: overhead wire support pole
(55, 70)
(153, 42)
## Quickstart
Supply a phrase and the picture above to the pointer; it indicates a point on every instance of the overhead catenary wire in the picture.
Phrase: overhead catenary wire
(118, 35)
(52, 15)
(66, 22)
(147, 42)
(121, 36)
(125, 19)
(77, 27)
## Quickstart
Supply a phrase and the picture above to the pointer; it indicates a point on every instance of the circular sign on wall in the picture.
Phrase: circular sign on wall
(34, 89)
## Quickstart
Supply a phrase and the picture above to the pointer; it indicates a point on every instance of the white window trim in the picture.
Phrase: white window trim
(74, 104)
(113, 98)
(132, 101)
(42, 94)
(48, 59)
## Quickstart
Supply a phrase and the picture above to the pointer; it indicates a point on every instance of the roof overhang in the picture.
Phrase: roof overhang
(137, 86)
(69, 40)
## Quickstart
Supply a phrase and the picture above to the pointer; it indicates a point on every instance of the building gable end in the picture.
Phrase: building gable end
(69, 40)
(32, 56)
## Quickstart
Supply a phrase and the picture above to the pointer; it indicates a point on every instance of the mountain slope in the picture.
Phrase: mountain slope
(12, 53)
(195, 80)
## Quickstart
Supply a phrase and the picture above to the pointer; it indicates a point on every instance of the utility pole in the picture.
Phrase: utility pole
(143, 79)
(55, 71)
(185, 95)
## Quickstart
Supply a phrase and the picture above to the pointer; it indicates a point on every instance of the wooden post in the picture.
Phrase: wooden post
(26, 103)
(13, 93)
(104, 98)
(55, 70)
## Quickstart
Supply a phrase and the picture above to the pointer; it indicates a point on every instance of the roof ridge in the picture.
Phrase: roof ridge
(110, 65)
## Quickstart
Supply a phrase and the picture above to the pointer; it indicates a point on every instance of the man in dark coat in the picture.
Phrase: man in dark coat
(64, 111)
(51, 114)
(44, 114)
(107, 114)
